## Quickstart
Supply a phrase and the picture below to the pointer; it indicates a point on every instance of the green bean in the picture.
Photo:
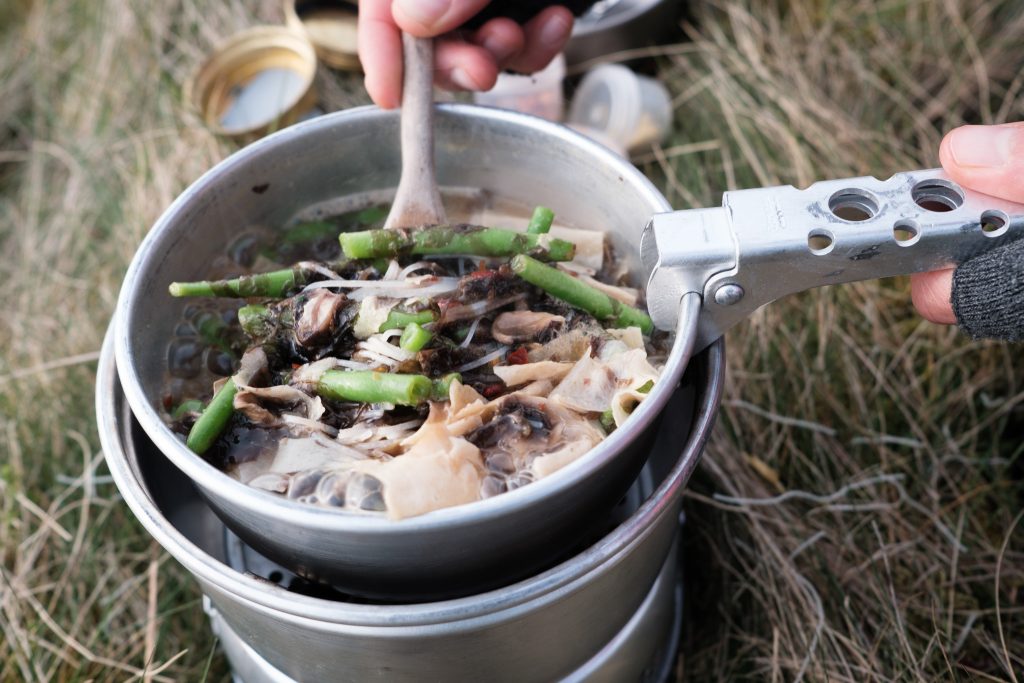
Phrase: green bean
(399, 319)
(213, 419)
(366, 386)
(414, 338)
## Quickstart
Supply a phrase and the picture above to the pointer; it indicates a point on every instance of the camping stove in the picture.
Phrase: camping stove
(628, 656)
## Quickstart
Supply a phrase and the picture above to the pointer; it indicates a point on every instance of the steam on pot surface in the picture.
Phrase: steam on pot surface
(402, 371)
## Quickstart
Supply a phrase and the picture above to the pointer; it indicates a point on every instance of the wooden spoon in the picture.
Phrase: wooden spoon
(418, 201)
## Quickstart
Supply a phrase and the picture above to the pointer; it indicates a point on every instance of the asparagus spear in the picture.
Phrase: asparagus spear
(541, 221)
(310, 231)
(262, 323)
(366, 386)
(274, 284)
(214, 331)
(447, 239)
(569, 289)
(256, 320)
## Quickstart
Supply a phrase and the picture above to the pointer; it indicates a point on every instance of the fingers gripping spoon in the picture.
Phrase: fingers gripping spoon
(418, 201)
(765, 243)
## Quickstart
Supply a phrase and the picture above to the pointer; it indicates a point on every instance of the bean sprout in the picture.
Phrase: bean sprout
(483, 360)
(469, 335)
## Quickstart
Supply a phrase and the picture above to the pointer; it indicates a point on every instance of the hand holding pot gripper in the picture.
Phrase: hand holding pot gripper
(765, 243)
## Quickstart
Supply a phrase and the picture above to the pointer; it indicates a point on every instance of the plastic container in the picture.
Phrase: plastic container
(539, 94)
(331, 25)
(634, 111)
(257, 81)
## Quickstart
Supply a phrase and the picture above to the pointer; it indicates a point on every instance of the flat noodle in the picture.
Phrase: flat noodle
(438, 470)
(514, 375)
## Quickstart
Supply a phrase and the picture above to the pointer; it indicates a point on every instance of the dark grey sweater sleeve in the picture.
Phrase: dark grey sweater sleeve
(988, 294)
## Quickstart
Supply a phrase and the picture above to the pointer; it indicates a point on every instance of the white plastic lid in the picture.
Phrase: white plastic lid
(632, 110)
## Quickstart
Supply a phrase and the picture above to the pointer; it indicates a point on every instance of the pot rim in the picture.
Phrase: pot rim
(223, 487)
(397, 620)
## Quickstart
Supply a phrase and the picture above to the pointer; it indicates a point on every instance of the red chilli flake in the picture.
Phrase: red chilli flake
(518, 356)
(492, 390)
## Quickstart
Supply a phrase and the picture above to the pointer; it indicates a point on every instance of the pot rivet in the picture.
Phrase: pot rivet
(727, 295)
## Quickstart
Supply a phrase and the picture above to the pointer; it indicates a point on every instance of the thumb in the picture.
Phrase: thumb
(988, 159)
(429, 18)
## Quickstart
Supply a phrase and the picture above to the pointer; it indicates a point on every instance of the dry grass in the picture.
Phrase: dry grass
(855, 513)
(854, 517)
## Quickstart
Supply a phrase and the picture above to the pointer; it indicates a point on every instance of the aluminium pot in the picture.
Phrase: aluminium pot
(448, 552)
(548, 627)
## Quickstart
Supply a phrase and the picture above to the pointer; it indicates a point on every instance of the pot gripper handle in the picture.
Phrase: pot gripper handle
(765, 243)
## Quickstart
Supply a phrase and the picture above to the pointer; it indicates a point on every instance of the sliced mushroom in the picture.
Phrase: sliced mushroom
(319, 317)
(264, 405)
(520, 326)
(519, 434)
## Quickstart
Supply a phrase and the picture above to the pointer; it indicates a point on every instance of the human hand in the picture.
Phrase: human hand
(470, 62)
(986, 294)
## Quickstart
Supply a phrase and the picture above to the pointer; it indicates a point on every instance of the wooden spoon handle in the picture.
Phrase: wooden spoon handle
(418, 201)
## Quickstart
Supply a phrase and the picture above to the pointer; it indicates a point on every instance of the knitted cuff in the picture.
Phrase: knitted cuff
(988, 294)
